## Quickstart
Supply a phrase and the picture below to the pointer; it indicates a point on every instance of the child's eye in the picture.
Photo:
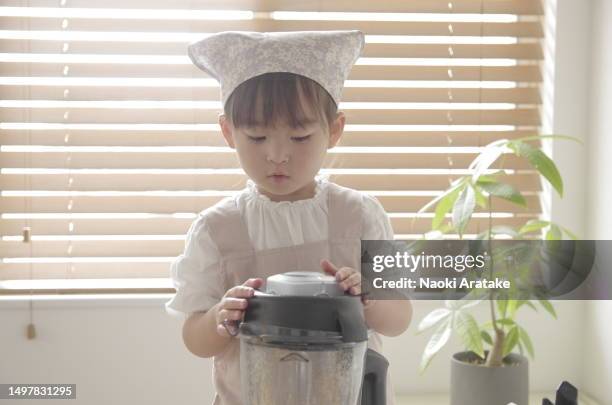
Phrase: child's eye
(301, 138)
(257, 139)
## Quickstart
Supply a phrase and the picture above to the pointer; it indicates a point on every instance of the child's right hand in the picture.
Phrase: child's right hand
(231, 307)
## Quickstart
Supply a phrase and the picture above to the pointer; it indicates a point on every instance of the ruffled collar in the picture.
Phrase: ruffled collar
(319, 198)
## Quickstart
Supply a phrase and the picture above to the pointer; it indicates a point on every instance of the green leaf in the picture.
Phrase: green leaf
(530, 304)
(540, 162)
(569, 233)
(512, 307)
(511, 340)
(539, 137)
(501, 306)
(487, 157)
(491, 177)
(444, 207)
(469, 333)
(437, 341)
(488, 325)
(455, 184)
(433, 318)
(554, 233)
(486, 337)
(520, 303)
(548, 307)
(469, 301)
(503, 190)
(533, 225)
(504, 230)
(481, 200)
(463, 209)
(526, 340)
(505, 321)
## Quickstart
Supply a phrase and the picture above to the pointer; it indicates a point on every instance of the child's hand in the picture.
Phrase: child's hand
(348, 278)
(231, 307)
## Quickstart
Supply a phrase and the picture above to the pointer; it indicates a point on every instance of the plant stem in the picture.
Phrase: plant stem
(494, 359)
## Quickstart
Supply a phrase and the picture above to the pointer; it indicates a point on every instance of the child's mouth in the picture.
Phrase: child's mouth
(279, 178)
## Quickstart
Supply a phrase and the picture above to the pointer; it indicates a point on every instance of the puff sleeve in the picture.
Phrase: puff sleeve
(196, 273)
(376, 222)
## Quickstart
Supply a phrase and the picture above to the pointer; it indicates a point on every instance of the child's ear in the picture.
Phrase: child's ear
(336, 129)
(226, 130)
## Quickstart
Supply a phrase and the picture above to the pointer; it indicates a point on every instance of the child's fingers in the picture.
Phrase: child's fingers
(344, 273)
(228, 329)
(347, 277)
(228, 321)
(352, 283)
(328, 267)
(234, 303)
(222, 331)
(230, 315)
(253, 282)
(240, 291)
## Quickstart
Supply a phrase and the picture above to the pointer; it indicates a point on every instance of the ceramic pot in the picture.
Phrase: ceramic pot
(474, 384)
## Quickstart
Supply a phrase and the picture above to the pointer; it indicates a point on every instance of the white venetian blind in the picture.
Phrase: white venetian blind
(109, 142)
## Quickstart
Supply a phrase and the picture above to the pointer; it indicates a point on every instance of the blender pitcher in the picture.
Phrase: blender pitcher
(304, 342)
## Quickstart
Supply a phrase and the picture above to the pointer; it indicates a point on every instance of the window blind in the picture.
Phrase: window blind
(110, 147)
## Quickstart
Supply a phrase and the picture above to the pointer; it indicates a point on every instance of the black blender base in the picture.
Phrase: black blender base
(567, 394)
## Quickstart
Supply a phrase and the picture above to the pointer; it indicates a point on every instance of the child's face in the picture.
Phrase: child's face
(296, 154)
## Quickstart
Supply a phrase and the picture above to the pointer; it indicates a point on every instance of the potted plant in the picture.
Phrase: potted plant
(489, 371)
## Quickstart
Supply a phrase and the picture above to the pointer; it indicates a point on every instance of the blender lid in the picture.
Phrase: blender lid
(308, 305)
(303, 283)
(273, 316)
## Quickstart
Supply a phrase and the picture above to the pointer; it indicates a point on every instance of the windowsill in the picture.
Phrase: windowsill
(19, 301)
(84, 300)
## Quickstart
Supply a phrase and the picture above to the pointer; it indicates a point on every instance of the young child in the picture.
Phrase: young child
(280, 94)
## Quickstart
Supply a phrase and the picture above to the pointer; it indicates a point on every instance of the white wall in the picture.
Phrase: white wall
(583, 105)
(571, 109)
(597, 364)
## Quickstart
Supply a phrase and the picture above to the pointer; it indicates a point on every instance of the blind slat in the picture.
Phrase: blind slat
(518, 73)
(125, 182)
(531, 51)
(229, 160)
(413, 6)
(389, 116)
(524, 95)
(180, 203)
(520, 29)
(178, 226)
(214, 138)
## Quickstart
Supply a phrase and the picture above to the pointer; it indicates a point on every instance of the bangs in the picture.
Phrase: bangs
(274, 98)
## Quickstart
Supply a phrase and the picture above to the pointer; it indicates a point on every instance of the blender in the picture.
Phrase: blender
(304, 342)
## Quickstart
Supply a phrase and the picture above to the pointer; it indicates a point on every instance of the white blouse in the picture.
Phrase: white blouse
(270, 224)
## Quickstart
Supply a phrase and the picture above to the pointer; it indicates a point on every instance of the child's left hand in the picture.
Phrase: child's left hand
(348, 278)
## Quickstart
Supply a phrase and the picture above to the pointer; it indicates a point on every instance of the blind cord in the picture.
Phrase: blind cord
(31, 329)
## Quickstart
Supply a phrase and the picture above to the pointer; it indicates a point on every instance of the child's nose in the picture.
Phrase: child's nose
(278, 160)
(278, 153)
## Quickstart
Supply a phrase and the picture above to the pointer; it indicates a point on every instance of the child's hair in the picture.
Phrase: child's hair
(278, 96)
